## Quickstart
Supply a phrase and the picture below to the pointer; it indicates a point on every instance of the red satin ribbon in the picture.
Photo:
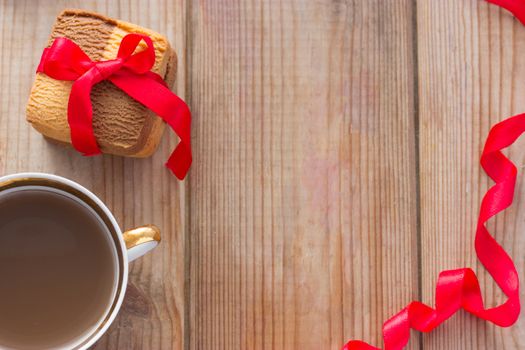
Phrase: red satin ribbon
(459, 289)
(131, 72)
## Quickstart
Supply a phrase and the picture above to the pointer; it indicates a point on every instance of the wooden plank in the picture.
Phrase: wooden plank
(138, 191)
(303, 196)
(470, 78)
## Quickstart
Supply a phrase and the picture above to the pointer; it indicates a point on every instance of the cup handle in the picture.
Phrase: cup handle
(141, 240)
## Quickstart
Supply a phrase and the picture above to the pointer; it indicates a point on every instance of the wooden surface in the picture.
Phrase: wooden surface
(469, 78)
(336, 166)
(303, 114)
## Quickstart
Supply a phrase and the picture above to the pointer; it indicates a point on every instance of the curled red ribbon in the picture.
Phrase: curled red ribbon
(131, 72)
(459, 289)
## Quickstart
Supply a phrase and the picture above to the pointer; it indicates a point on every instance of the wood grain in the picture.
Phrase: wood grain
(303, 196)
(470, 77)
(138, 191)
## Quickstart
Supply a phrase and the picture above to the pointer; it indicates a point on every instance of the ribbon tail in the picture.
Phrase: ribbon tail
(173, 110)
(80, 116)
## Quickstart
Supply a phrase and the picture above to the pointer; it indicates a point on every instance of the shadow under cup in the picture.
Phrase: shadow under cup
(61, 265)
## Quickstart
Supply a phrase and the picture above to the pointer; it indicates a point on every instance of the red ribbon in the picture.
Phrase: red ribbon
(131, 72)
(459, 289)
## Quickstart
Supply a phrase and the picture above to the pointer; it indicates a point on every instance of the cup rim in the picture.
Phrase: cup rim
(113, 309)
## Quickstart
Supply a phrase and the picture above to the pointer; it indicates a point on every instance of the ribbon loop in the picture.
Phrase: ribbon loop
(140, 62)
(131, 72)
(63, 61)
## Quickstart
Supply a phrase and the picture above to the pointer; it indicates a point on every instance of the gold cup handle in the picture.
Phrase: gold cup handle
(141, 240)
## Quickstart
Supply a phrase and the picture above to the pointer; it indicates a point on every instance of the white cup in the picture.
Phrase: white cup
(127, 246)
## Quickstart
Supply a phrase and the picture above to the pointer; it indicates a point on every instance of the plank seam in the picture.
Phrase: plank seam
(417, 156)
(188, 51)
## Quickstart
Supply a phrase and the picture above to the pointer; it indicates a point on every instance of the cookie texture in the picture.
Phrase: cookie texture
(122, 126)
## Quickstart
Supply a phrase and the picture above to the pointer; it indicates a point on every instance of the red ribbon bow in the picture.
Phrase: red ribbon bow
(459, 289)
(131, 72)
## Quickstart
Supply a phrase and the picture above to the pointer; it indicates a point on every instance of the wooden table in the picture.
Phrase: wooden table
(336, 166)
